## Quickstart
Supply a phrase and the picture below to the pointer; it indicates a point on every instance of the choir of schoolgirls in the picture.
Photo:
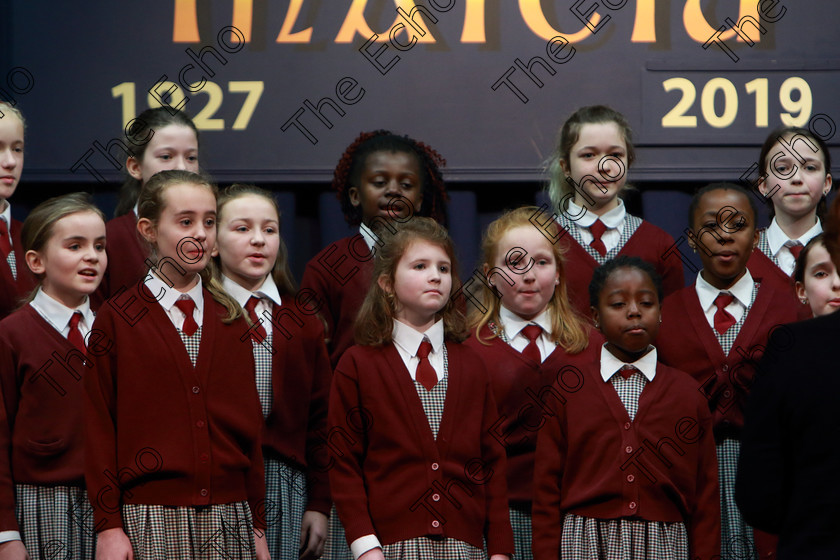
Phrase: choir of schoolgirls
(162, 397)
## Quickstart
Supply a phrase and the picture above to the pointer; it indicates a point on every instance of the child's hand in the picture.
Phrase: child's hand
(13, 550)
(313, 533)
(500, 557)
(373, 554)
(261, 544)
(113, 544)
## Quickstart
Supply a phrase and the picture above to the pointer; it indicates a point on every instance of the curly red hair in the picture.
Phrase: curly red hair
(349, 169)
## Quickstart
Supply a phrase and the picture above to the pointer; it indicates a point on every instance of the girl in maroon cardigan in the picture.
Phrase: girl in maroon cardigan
(588, 172)
(293, 371)
(417, 473)
(717, 329)
(380, 177)
(795, 168)
(16, 281)
(626, 469)
(173, 455)
(42, 360)
(529, 302)
(160, 140)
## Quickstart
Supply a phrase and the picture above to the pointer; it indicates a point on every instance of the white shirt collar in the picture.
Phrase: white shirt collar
(167, 296)
(369, 237)
(742, 290)
(58, 314)
(776, 238)
(409, 339)
(513, 323)
(610, 364)
(611, 219)
(241, 295)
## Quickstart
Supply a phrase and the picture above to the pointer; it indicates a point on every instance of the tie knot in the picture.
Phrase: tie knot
(795, 249)
(424, 349)
(532, 332)
(74, 319)
(597, 229)
(627, 370)
(723, 300)
(251, 305)
(186, 305)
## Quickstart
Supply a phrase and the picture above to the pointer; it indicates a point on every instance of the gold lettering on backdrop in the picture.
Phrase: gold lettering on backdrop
(474, 22)
(355, 22)
(698, 27)
(644, 28)
(185, 22)
(286, 35)
(243, 15)
(535, 19)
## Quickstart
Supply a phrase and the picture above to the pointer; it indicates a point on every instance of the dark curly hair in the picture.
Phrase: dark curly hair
(349, 170)
(602, 273)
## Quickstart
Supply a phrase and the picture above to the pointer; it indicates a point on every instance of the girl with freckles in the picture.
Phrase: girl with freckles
(626, 468)
(527, 333)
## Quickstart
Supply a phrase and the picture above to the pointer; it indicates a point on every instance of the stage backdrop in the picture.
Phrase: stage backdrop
(279, 88)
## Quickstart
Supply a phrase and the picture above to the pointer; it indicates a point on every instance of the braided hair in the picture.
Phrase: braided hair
(348, 172)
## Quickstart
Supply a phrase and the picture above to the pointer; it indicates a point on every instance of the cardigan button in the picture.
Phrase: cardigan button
(435, 523)
(627, 425)
(725, 368)
(629, 449)
(196, 389)
(727, 393)
(204, 492)
(204, 457)
(436, 497)
(630, 478)
(435, 466)
(632, 505)
(199, 424)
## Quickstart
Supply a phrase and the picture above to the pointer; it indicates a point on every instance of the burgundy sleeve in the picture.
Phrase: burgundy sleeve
(8, 371)
(546, 516)
(319, 487)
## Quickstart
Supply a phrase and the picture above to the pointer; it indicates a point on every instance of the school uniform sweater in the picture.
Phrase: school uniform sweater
(340, 276)
(648, 242)
(391, 477)
(41, 379)
(762, 266)
(127, 253)
(13, 291)
(687, 342)
(593, 461)
(787, 474)
(523, 391)
(300, 379)
(163, 432)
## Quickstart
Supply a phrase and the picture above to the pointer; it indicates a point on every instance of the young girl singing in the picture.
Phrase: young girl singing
(42, 361)
(16, 281)
(817, 281)
(173, 453)
(627, 467)
(527, 334)
(588, 172)
(417, 473)
(717, 329)
(293, 370)
(167, 141)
